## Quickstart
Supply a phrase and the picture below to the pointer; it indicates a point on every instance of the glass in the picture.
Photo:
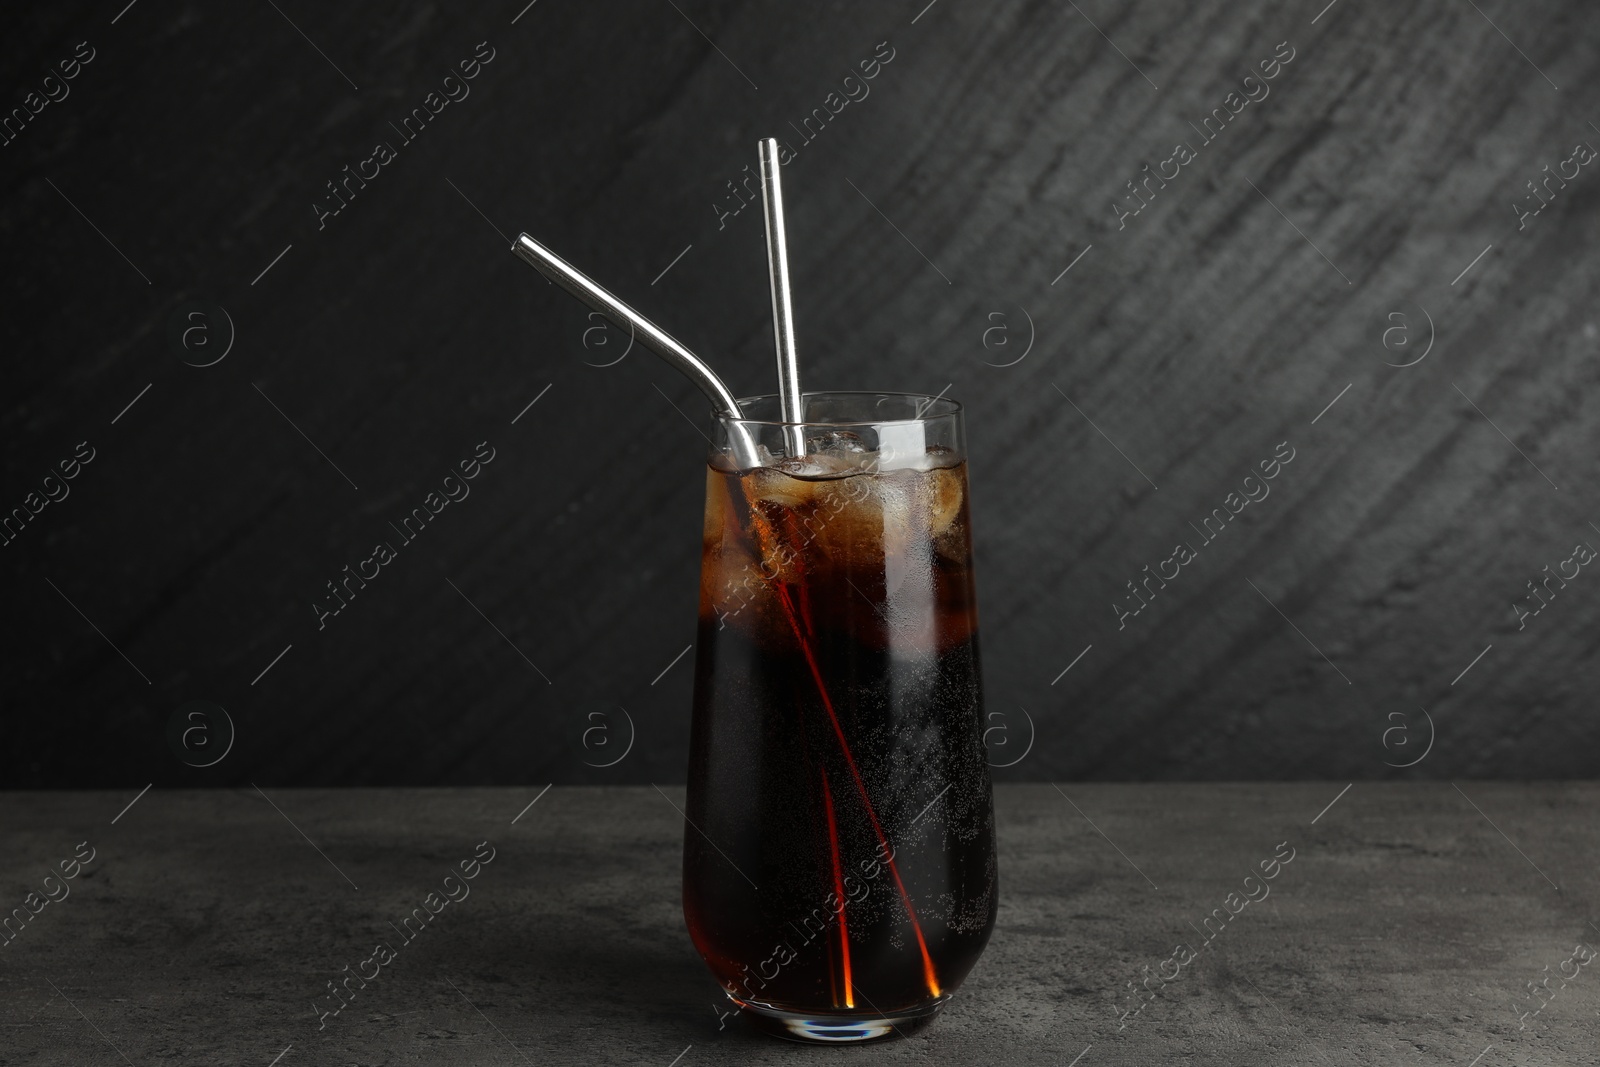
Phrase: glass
(839, 872)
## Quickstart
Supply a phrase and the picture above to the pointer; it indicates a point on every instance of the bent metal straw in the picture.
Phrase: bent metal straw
(654, 337)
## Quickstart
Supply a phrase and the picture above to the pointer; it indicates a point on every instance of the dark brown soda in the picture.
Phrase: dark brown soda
(839, 858)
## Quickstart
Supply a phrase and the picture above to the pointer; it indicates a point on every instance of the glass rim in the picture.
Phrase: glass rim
(937, 407)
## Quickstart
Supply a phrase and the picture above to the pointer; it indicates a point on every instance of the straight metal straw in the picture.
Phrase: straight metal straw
(654, 337)
(782, 302)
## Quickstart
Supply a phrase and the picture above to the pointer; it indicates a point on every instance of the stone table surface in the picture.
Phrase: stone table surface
(1405, 930)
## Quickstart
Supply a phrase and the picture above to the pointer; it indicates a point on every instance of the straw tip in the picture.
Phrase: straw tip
(528, 250)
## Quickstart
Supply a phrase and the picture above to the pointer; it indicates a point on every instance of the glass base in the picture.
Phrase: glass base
(816, 1027)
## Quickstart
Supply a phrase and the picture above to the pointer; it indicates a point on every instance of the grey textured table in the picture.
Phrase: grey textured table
(208, 924)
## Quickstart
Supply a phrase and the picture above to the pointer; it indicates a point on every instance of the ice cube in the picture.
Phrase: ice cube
(837, 442)
(718, 506)
(779, 485)
(944, 490)
(817, 466)
(900, 445)
(733, 585)
(905, 546)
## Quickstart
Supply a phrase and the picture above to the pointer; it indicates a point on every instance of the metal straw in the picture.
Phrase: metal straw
(782, 303)
(654, 337)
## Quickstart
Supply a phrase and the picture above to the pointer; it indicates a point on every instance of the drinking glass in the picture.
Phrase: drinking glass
(839, 872)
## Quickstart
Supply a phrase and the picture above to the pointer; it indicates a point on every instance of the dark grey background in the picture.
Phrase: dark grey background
(1220, 322)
